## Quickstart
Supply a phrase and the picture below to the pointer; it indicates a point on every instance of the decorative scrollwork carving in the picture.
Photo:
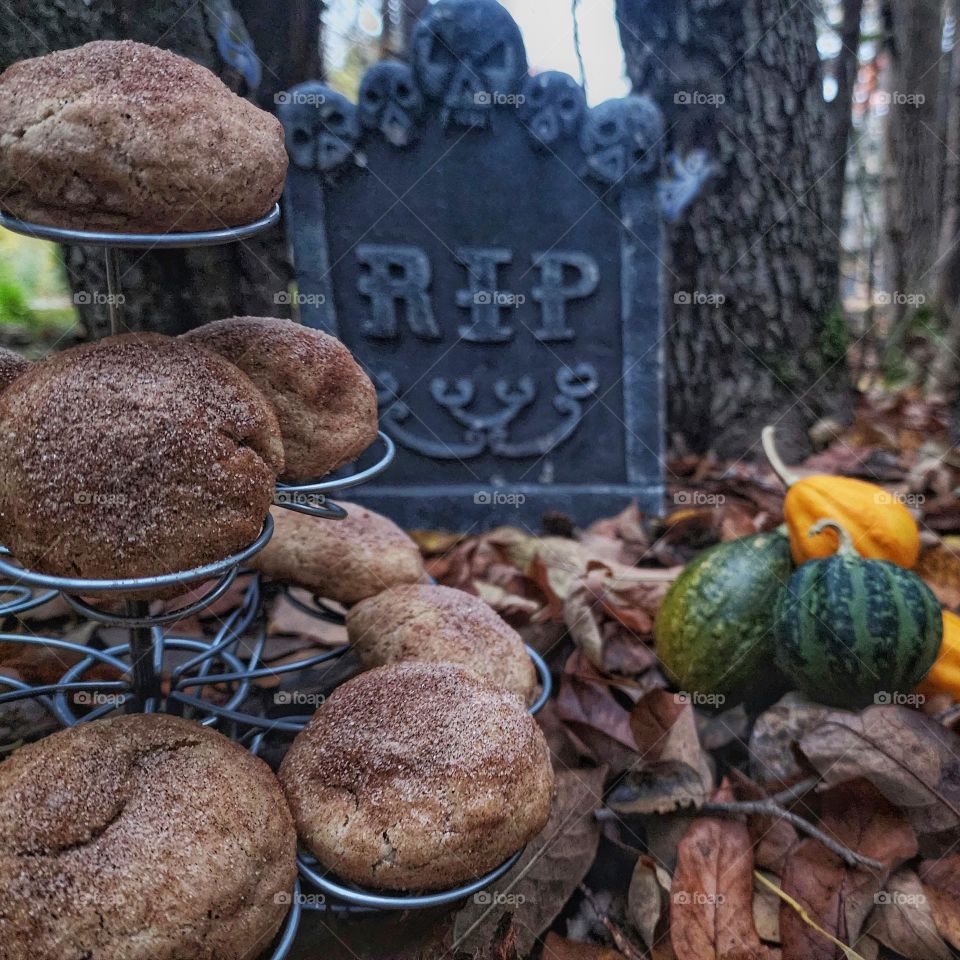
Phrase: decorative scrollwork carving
(489, 432)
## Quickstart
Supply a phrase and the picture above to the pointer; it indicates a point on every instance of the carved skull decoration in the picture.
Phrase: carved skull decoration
(469, 54)
(622, 139)
(320, 126)
(553, 106)
(390, 101)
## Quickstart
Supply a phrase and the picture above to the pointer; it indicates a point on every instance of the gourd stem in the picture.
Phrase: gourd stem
(846, 546)
(767, 438)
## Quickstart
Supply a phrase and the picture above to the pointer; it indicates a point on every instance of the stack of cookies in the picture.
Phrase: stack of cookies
(426, 770)
(141, 455)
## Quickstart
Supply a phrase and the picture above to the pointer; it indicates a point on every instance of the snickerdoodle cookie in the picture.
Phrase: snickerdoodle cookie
(418, 776)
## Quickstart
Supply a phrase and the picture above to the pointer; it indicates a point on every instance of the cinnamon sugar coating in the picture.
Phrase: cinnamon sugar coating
(344, 560)
(143, 837)
(119, 135)
(436, 623)
(418, 776)
(325, 404)
(135, 456)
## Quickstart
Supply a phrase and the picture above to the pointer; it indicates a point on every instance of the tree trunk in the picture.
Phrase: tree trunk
(286, 37)
(914, 160)
(410, 13)
(945, 373)
(175, 290)
(840, 116)
(755, 334)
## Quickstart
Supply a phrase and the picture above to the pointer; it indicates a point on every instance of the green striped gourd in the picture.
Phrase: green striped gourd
(714, 628)
(852, 631)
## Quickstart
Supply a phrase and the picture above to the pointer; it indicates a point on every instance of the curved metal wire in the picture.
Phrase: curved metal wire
(154, 620)
(311, 498)
(103, 238)
(318, 609)
(546, 681)
(76, 585)
(357, 897)
(25, 600)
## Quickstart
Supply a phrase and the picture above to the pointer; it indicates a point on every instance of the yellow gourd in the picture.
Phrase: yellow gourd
(880, 526)
(944, 675)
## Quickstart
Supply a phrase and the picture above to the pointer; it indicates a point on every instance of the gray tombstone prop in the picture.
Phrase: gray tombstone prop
(490, 250)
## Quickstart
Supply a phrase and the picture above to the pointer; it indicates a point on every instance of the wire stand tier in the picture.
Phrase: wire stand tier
(209, 679)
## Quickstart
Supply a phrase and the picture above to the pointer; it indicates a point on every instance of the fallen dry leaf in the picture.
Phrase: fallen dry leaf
(941, 883)
(672, 770)
(766, 911)
(911, 759)
(838, 897)
(647, 899)
(607, 604)
(664, 728)
(711, 901)
(624, 538)
(551, 868)
(903, 920)
(588, 707)
(775, 734)
(773, 837)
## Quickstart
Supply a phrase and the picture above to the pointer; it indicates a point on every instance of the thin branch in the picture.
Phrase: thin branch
(772, 806)
(576, 44)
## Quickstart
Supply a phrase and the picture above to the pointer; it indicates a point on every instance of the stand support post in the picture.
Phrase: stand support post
(114, 296)
(144, 679)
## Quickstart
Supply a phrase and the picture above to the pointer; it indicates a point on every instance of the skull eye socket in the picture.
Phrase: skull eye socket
(335, 119)
(440, 54)
(301, 137)
(403, 90)
(496, 57)
(371, 96)
(568, 104)
(608, 129)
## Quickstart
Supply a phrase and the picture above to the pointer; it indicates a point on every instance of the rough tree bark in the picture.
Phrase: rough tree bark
(743, 81)
(840, 116)
(945, 372)
(173, 290)
(914, 159)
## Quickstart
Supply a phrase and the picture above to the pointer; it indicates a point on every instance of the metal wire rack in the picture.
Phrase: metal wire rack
(211, 679)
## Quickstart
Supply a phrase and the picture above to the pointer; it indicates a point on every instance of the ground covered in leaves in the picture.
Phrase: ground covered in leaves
(693, 830)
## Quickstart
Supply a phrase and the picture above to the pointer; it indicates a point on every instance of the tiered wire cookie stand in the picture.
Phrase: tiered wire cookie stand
(210, 679)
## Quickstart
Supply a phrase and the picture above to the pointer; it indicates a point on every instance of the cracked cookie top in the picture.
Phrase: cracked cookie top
(134, 456)
(141, 837)
(325, 403)
(437, 623)
(119, 135)
(418, 776)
